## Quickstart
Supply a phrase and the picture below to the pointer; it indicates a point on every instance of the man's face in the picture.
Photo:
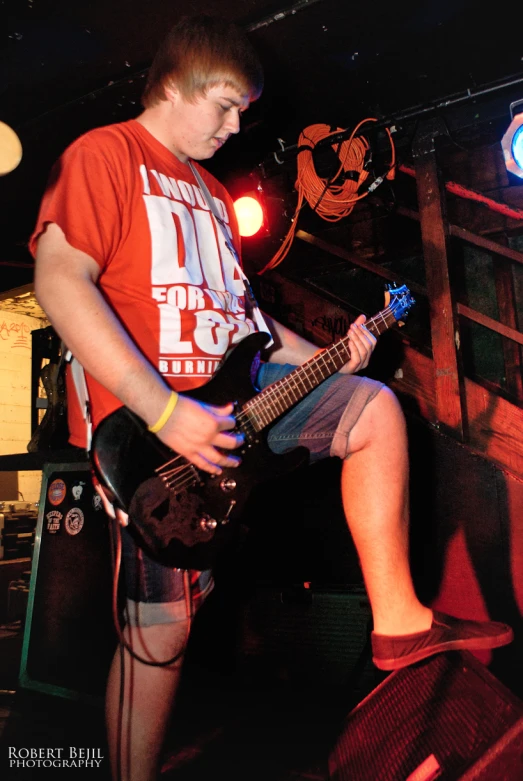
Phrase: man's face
(198, 129)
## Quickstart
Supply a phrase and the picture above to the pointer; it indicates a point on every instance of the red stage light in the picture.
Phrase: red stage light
(249, 214)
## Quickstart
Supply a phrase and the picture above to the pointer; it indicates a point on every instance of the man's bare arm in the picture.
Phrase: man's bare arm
(65, 286)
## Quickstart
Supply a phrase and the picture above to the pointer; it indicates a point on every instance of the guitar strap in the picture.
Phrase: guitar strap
(249, 295)
(78, 375)
(77, 370)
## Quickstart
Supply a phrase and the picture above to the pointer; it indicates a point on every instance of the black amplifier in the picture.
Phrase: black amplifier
(17, 529)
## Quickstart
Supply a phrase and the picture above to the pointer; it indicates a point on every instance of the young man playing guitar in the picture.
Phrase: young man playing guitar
(135, 275)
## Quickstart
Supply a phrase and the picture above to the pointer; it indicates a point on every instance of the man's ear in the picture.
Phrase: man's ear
(171, 92)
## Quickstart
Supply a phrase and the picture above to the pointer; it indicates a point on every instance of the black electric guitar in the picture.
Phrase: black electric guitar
(184, 517)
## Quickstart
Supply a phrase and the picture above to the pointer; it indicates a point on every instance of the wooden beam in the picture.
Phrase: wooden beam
(471, 238)
(507, 308)
(488, 244)
(488, 322)
(351, 257)
(448, 372)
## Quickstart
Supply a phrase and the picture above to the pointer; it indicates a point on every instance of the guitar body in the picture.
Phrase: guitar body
(186, 526)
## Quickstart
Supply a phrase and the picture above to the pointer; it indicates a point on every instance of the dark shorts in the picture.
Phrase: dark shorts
(322, 422)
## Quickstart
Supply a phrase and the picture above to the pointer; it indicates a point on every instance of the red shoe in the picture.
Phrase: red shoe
(446, 634)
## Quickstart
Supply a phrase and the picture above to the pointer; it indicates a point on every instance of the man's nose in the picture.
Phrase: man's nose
(232, 123)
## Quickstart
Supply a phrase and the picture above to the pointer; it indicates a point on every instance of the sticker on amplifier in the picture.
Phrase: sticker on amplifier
(77, 490)
(74, 521)
(53, 519)
(56, 492)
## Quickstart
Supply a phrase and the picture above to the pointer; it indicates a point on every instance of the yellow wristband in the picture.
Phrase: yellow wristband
(166, 414)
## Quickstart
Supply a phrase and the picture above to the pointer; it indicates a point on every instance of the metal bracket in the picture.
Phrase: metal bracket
(424, 140)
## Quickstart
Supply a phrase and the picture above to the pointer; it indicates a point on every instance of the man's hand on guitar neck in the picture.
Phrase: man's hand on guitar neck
(199, 432)
(362, 344)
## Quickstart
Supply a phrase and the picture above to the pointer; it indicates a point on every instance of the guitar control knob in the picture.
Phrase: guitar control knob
(228, 484)
(208, 524)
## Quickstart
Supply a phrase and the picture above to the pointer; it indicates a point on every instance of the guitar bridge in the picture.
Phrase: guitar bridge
(178, 474)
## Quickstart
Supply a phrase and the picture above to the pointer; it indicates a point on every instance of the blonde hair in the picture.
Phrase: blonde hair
(202, 52)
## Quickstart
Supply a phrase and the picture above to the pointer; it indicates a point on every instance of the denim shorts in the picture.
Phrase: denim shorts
(322, 422)
(157, 594)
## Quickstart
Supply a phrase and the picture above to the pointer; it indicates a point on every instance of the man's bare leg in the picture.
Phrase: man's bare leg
(146, 702)
(375, 499)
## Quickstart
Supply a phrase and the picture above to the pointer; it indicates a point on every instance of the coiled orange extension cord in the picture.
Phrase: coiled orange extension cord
(335, 197)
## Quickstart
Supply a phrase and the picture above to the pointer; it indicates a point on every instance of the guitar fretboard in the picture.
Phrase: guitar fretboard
(272, 402)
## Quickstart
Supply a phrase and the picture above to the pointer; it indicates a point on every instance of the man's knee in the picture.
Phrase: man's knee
(159, 642)
(382, 418)
(386, 403)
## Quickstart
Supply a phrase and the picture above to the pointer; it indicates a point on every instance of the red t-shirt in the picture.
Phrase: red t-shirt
(121, 197)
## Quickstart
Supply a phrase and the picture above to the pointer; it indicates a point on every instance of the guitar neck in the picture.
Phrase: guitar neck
(277, 398)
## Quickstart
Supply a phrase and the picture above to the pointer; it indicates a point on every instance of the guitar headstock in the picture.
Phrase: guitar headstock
(398, 300)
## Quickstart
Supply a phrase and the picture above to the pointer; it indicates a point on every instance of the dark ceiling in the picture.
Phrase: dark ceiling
(69, 66)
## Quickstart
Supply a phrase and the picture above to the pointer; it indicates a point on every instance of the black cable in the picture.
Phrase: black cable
(117, 551)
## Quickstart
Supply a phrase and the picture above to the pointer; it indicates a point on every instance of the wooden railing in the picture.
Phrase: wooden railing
(486, 418)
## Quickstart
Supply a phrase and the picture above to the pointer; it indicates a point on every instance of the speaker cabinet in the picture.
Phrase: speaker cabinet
(311, 638)
(443, 718)
(69, 638)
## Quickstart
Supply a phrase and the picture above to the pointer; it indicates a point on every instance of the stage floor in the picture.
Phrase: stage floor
(226, 724)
